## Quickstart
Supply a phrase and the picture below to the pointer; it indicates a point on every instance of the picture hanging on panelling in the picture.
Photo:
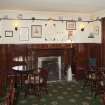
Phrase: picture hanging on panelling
(71, 25)
(36, 31)
(91, 35)
(8, 33)
(24, 33)
(70, 34)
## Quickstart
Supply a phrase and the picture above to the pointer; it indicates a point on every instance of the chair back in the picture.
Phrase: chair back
(92, 63)
(44, 73)
(35, 79)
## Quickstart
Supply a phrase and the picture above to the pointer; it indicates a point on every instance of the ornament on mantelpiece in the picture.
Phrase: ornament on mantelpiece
(61, 18)
(20, 16)
(92, 18)
(79, 19)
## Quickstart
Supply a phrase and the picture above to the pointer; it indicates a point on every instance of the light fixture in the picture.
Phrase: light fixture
(16, 28)
(83, 26)
(82, 29)
(16, 24)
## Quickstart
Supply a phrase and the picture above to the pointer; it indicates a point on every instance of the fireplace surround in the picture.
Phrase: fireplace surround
(54, 66)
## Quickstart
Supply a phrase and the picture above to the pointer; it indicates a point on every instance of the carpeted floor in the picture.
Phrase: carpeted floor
(61, 93)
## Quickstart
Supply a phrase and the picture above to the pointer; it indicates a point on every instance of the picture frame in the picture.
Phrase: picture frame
(91, 35)
(70, 25)
(24, 34)
(70, 34)
(8, 33)
(36, 31)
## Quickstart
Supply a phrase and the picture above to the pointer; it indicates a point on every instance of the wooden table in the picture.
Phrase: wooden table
(21, 70)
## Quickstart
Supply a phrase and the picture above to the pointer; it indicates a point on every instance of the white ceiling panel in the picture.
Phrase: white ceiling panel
(82, 6)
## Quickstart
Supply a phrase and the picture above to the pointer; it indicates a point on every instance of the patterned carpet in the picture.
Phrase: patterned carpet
(61, 93)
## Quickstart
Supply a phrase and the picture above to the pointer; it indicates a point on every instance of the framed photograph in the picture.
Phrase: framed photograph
(36, 31)
(70, 25)
(91, 35)
(70, 34)
(9, 33)
(24, 33)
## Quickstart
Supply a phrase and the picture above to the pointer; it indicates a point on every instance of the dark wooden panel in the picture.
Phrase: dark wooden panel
(102, 49)
(76, 56)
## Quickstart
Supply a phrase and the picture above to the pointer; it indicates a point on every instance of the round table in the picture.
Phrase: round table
(21, 70)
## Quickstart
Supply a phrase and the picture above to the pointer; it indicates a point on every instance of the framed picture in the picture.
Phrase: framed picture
(24, 33)
(70, 34)
(9, 33)
(36, 31)
(70, 25)
(91, 35)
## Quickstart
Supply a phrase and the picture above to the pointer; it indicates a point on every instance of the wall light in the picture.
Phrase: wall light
(16, 28)
(16, 24)
(83, 26)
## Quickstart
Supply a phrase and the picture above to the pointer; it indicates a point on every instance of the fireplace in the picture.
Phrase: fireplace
(54, 65)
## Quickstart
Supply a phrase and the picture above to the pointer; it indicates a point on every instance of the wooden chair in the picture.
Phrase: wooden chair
(100, 82)
(91, 75)
(32, 84)
(90, 80)
(80, 71)
(37, 82)
(103, 99)
(44, 74)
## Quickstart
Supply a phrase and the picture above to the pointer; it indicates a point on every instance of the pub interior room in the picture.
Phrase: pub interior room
(52, 52)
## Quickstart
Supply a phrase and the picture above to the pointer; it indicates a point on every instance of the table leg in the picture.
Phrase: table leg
(15, 80)
(21, 80)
